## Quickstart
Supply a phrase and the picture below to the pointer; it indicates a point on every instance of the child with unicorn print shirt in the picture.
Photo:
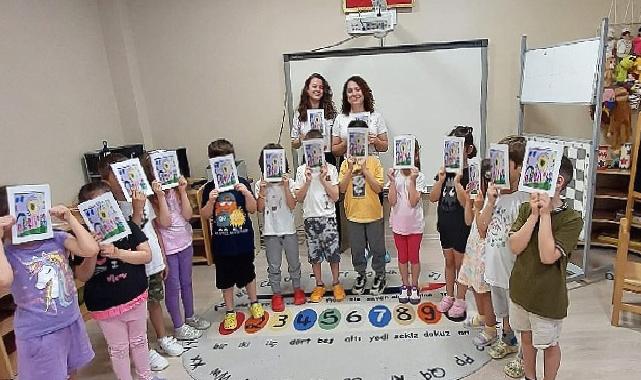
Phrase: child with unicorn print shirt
(51, 339)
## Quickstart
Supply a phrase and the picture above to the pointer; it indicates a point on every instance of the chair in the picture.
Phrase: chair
(627, 276)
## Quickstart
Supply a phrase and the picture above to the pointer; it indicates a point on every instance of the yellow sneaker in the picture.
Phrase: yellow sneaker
(230, 321)
(256, 310)
(339, 292)
(317, 294)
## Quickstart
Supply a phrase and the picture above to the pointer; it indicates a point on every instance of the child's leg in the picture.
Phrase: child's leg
(529, 355)
(186, 290)
(401, 242)
(450, 271)
(485, 299)
(228, 297)
(552, 362)
(138, 348)
(375, 237)
(251, 291)
(413, 251)
(290, 244)
(316, 269)
(273, 251)
(334, 266)
(117, 337)
(358, 243)
(460, 288)
(172, 290)
(156, 295)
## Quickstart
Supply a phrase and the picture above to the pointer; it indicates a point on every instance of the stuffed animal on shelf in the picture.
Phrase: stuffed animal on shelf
(622, 69)
(620, 128)
(610, 66)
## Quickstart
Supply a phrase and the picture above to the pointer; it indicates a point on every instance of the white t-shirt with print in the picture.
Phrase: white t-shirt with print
(317, 203)
(157, 264)
(375, 123)
(279, 218)
(499, 258)
(300, 129)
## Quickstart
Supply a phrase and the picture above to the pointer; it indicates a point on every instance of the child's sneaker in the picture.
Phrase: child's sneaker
(499, 350)
(186, 332)
(359, 285)
(458, 309)
(485, 337)
(256, 310)
(388, 257)
(170, 346)
(198, 323)
(514, 368)
(445, 304)
(339, 292)
(317, 294)
(379, 285)
(157, 362)
(415, 298)
(299, 297)
(474, 323)
(404, 297)
(230, 322)
(278, 304)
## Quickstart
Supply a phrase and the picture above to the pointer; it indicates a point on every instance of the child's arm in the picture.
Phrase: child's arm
(160, 205)
(301, 193)
(435, 193)
(208, 209)
(86, 269)
(549, 253)
(142, 254)
(339, 146)
(260, 195)
(461, 194)
(345, 177)
(485, 217)
(520, 239)
(392, 196)
(289, 197)
(185, 205)
(250, 201)
(414, 195)
(469, 211)
(6, 273)
(81, 243)
(138, 200)
(375, 180)
(330, 189)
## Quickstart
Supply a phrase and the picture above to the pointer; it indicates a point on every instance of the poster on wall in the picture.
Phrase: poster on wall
(103, 218)
(166, 168)
(541, 166)
(131, 176)
(30, 205)
(366, 5)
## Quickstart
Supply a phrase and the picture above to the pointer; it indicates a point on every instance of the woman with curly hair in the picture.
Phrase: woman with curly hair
(315, 95)
(358, 103)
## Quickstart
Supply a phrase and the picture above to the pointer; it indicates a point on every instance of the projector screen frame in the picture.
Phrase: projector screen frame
(397, 49)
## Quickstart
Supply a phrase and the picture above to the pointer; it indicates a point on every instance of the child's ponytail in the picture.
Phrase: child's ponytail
(466, 132)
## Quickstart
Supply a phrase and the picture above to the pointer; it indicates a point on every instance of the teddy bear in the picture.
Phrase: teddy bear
(620, 128)
(622, 69)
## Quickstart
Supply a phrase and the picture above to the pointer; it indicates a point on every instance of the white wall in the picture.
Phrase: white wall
(56, 97)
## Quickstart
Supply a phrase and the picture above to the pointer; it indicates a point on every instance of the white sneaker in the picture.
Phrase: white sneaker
(198, 323)
(170, 346)
(157, 362)
(186, 332)
(415, 297)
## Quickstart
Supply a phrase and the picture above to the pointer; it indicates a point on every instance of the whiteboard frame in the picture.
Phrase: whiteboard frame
(597, 99)
(423, 47)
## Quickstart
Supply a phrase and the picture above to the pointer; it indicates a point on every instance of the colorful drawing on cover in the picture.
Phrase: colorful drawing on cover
(500, 163)
(453, 148)
(131, 176)
(474, 170)
(166, 168)
(313, 149)
(404, 151)
(103, 217)
(273, 165)
(223, 170)
(541, 167)
(30, 206)
(363, 116)
(357, 141)
(316, 119)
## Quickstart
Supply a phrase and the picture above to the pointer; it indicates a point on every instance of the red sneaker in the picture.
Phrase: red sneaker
(299, 297)
(278, 304)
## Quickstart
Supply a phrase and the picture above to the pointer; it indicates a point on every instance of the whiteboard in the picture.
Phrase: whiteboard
(424, 90)
(561, 74)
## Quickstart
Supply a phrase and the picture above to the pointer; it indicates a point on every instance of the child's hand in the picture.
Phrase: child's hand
(492, 193)
(323, 173)
(213, 195)
(479, 200)
(241, 188)
(138, 200)
(361, 163)
(286, 179)
(391, 176)
(441, 175)
(308, 175)
(182, 184)
(262, 187)
(5, 223)
(350, 164)
(157, 189)
(534, 204)
(545, 204)
(457, 178)
(109, 251)
(373, 138)
(60, 212)
(413, 174)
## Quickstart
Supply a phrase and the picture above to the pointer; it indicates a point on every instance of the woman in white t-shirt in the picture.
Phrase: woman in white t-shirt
(358, 103)
(315, 95)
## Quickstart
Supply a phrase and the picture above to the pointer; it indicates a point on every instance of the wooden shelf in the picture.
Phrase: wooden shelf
(6, 323)
(199, 260)
(611, 194)
(614, 171)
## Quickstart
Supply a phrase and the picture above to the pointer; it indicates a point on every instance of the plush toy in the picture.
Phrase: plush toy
(620, 128)
(610, 65)
(622, 69)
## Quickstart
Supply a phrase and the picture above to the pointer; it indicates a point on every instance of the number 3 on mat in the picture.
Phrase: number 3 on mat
(280, 321)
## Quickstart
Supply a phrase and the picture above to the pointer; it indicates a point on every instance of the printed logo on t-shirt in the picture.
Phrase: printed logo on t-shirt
(51, 273)
(358, 186)
(449, 202)
(229, 217)
(499, 228)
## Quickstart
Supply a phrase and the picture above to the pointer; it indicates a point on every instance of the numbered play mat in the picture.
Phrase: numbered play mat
(363, 337)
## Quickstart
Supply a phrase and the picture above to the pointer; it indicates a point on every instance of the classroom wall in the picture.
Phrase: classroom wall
(214, 69)
(56, 97)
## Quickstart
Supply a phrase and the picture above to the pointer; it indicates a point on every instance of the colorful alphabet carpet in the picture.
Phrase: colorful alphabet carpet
(363, 337)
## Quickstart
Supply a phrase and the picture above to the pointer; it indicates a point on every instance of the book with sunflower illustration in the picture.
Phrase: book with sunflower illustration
(500, 164)
(131, 176)
(103, 218)
(30, 205)
(166, 168)
(541, 166)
